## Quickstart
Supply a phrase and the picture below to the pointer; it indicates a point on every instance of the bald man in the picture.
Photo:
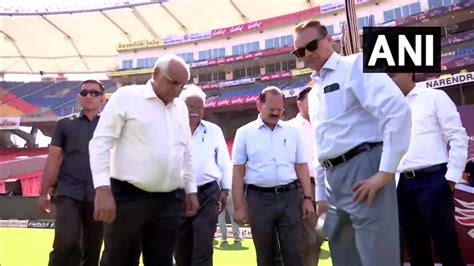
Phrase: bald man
(141, 166)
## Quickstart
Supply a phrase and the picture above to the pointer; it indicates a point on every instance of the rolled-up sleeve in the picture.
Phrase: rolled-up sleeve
(301, 150)
(189, 178)
(320, 184)
(108, 130)
(224, 162)
(382, 98)
(454, 133)
(239, 150)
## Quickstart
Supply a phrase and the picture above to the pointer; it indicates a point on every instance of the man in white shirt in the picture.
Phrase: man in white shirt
(269, 156)
(428, 173)
(362, 128)
(213, 170)
(141, 167)
(310, 241)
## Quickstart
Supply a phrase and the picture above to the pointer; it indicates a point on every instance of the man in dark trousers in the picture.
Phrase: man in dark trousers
(269, 157)
(141, 164)
(428, 173)
(213, 170)
(77, 238)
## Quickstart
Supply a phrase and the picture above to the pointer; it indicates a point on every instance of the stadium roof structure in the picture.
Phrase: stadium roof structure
(84, 39)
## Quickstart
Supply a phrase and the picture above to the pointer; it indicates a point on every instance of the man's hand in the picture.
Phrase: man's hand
(451, 185)
(44, 204)
(223, 200)
(192, 204)
(104, 205)
(239, 216)
(307, 208)
(321, 207)
(367, 189)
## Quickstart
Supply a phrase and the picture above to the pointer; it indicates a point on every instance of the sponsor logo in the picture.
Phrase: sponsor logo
(140, 44)
(257, 24)
(40, 224)
(237, 29)
(220, 32)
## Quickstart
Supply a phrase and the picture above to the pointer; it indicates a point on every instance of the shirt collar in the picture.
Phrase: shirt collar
(330, 64)
(149, 93)
(302, 119)
(260, 122)
(415, 91)
(82, 115)
(203, 124)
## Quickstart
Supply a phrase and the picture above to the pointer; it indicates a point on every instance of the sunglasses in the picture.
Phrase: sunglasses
(311, 46)
(84, 93)
(174, 82)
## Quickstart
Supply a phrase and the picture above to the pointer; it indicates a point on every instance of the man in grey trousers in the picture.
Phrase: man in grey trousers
(362, 129)
(269, 157)
(229, 209)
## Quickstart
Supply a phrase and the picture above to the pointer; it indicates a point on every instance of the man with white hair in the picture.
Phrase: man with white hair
(213, 170)
(140, 159)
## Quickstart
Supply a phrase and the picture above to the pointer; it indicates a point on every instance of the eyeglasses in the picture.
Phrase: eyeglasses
(174, 82)
(84, 93)
(311, 46)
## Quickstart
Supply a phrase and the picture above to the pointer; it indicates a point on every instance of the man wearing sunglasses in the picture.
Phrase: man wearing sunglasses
(77, 237)
(142, 169)
(362, 129)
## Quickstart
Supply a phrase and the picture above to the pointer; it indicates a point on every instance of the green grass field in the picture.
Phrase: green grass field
(30, 247)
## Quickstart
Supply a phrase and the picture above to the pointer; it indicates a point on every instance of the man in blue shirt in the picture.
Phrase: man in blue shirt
(269, 157)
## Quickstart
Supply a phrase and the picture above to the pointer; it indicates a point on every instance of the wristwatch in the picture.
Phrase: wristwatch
(307, 197)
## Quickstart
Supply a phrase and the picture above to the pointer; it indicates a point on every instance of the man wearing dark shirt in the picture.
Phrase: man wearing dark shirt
(67, 169)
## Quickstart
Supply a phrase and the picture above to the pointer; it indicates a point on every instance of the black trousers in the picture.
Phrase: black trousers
(194, 246)
(273, 214)
(145, 222)
(426, 211)
(77, 237)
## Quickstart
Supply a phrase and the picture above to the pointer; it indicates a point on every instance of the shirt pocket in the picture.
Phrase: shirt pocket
(333, 103)
(288, 150)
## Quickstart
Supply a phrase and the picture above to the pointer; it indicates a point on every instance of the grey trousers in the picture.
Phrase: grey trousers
(310, 241)
(229, 209)
(269, 214)
(359, 235)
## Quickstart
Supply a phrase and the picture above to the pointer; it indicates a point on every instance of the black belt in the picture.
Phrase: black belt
(275, 190)
(430, 169)
(350, 154)
(207, 185)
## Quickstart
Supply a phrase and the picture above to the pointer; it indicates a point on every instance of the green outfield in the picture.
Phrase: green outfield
(30, 247)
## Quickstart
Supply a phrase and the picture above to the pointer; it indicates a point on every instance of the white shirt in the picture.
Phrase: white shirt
(211, 159)
(356, 108)
(141, 140)
(306, 131)
(315, 169)
(269, 155)
(436, 122)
